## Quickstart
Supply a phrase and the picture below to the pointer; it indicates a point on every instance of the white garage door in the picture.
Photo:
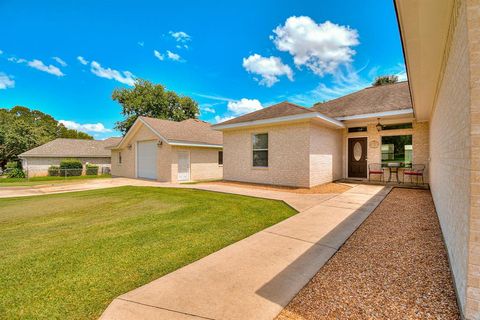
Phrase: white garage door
(147, 159)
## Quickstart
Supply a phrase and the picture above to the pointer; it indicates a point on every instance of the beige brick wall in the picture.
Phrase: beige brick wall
(473, 280)
(326, 154)
(203, 161)
(420, 143)
(38, 167)
(450, 156)
(288, 151)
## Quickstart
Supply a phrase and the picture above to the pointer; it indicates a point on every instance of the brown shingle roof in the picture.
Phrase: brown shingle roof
(71, 148)
(281, 109)
(369, 100)
(190, 130)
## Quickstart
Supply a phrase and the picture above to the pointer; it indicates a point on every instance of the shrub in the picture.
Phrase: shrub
(15, 173)
(71, 167)
(13, 165)
(54, 171)
(13, 169)
(91, 170)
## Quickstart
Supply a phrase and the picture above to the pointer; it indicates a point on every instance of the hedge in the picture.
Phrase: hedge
(71, 167)
(91, 170)
(54, 171)
(13, 169)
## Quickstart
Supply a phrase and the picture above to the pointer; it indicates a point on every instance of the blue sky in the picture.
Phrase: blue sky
(231, 57)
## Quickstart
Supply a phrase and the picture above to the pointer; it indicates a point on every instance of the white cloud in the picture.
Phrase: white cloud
(125, 77)
(6, 81)
(16, 60)
(141, 43)
(157, 54)
(39, 65)
(60, 61)
(219, 119)
(89, 127)
(269, 68)
(243, 106)
(180, 36)
(208, 109)
(82, 60)
(323, 47)
(173, 56)
(1, 52)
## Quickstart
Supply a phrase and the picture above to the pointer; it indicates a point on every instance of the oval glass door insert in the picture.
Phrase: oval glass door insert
(357, 151)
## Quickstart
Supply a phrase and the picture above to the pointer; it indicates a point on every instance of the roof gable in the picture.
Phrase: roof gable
(187, 132)
(370, 100)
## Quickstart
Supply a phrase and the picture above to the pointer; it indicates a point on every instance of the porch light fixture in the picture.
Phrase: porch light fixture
(159, 143)
(129, 147)
(379, 125)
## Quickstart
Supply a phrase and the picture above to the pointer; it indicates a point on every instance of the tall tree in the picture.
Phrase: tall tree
(22, 129)
(380, 81)
(152, 100)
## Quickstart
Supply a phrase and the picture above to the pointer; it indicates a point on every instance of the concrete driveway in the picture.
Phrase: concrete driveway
(255, 278)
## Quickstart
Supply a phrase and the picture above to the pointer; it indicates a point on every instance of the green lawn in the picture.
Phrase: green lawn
(10, 182)
(66, 256)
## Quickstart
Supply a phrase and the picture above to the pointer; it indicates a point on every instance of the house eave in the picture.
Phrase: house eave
(393, 113)
(305, 116)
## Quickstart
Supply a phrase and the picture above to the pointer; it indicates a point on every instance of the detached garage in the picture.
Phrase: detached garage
(169, 151)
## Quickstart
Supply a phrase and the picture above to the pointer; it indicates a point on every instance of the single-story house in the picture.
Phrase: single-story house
(287, 144)
(37, 160)
(169, 151)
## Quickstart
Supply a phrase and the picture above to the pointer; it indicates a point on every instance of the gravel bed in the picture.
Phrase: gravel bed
(332, 187)
(393, 267)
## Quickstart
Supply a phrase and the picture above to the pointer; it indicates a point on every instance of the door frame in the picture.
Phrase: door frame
(347, 156)
(189, 165)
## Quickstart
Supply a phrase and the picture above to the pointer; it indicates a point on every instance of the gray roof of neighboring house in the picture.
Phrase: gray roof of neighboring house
(281, 109)
(190, 130)
(73, 148)
(376, 99)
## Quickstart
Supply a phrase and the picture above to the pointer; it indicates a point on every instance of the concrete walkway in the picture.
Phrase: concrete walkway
(256, 277)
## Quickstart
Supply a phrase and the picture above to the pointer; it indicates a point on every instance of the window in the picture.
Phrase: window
(397, 126)
(397, 149)
(220, 158)
(260, 150)
(119, 157)
(357, 129)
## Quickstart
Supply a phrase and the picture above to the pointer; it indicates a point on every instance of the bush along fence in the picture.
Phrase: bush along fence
(67, 168)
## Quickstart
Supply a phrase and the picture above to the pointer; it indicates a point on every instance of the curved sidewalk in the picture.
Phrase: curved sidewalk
(257, 276)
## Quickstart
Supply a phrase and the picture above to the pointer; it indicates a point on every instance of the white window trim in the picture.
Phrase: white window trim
(253, 149)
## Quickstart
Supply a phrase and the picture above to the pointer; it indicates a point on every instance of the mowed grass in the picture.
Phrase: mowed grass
(11, 182)
(67, 256)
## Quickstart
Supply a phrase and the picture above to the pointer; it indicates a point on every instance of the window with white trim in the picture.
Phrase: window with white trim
(260, 150)
(220, 158)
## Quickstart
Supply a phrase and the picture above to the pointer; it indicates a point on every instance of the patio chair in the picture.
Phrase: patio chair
(416, 170)
(375, 168)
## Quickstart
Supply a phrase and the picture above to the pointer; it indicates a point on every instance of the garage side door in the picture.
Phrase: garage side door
(147, 159)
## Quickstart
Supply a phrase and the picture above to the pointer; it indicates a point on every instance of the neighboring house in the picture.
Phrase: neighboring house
(169, 151)
(290, 145)
(441, 42)
(37, 160)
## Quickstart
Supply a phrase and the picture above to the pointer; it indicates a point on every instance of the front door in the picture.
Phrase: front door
(357, 157)
(183, 166)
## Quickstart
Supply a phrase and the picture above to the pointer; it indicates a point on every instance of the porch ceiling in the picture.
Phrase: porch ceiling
(424, 28)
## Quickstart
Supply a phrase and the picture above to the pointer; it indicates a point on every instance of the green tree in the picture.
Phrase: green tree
(380, 81)
(152, 100)
(22, 129)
